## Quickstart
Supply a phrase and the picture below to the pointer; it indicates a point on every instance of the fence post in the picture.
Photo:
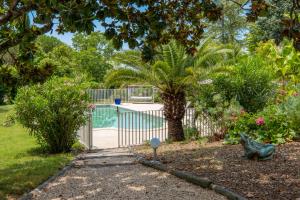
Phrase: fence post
(90, 129)
(153, 94)
(118, 114)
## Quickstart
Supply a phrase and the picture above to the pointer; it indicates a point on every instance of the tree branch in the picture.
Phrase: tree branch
(12, 56)
(18, 39)
(14, 13)
(241, 5)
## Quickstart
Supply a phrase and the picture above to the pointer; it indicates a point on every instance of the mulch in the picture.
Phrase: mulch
(278, 178)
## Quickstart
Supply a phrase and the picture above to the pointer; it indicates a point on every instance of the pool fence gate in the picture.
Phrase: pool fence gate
(139, 127)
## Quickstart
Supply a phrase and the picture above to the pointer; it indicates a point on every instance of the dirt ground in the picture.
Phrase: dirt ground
(223, 164)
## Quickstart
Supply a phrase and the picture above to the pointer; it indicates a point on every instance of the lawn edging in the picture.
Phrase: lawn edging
(39, 188)
(192, 178)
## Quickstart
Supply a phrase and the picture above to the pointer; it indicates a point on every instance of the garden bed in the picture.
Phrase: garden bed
(224, 165)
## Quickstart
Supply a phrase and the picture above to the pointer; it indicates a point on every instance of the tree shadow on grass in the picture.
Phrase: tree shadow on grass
(34, 152)
(18, 178)
(4, 109)
(39, 151)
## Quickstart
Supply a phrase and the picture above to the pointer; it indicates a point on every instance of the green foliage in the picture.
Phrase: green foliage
(92, 55)
(147, 143)
(43, 58)
(23, 165)
(292, 108)
(275, 127)
(8, 82)
(46, 43)
(95, 41)
(203, 140)
(137, 23)
(63, 58)
(90, 62)
(77, 147)
(2, 94)
(157, 97)
(270, 26)
(231, 25)
(53, 112)
(211, 59)
(144, 24)
(204, 97)
(284, 60)
(250, 84)
(191, 133)
(168, 74)
(168, 141)
(10, 120)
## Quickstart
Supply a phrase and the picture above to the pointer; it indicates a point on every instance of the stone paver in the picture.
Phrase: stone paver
(114, 174)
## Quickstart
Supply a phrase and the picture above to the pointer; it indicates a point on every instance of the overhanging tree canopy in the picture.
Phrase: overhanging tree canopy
(142, 23)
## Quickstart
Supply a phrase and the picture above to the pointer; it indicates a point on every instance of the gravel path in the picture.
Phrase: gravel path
(113, 174)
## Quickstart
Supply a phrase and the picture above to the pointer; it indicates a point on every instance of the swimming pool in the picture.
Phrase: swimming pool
(106, 116)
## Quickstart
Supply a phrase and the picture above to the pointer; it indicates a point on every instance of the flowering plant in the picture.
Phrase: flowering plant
(271, 125)
(92, 107)
(260, 121)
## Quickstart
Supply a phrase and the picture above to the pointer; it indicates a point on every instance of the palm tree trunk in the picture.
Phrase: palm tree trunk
(174, 109)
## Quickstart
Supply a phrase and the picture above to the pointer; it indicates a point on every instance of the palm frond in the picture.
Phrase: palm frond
(123, 76)
(129, 59)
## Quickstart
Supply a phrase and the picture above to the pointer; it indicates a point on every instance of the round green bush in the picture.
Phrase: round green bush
(53, 112)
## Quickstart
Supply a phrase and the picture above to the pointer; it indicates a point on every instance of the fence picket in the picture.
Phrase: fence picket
(136, 127)
(128, 95)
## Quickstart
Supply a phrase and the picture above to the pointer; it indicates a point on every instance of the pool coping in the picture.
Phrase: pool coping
(138, 107)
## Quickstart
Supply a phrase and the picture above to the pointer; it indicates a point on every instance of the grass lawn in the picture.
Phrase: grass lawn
(22, 166)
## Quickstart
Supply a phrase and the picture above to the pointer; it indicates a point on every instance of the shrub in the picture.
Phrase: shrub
(250, 84)
(77, 147)
(53, 112)
(10, 120)
(203, 140)
(268, 126)
(292, 108)
(191, 133)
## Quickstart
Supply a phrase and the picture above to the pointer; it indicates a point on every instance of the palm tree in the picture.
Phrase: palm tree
(170, 72)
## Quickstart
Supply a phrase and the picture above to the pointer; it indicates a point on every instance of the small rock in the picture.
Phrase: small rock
(249, 195)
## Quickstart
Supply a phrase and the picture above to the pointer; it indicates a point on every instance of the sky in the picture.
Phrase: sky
(66, 38)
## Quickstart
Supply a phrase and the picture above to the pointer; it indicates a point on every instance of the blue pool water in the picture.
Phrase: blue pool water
(106, 116)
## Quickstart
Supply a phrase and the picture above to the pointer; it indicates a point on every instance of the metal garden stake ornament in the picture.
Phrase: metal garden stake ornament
(154, 142)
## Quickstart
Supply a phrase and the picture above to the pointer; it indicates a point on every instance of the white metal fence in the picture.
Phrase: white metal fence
(85, 133)
(127, 95)
(137, 127)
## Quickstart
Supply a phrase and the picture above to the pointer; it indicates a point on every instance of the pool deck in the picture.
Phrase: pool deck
(104, 138)
(141, 107)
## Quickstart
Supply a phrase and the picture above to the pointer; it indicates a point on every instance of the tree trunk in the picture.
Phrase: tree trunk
(175, 130)
(174, 109)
